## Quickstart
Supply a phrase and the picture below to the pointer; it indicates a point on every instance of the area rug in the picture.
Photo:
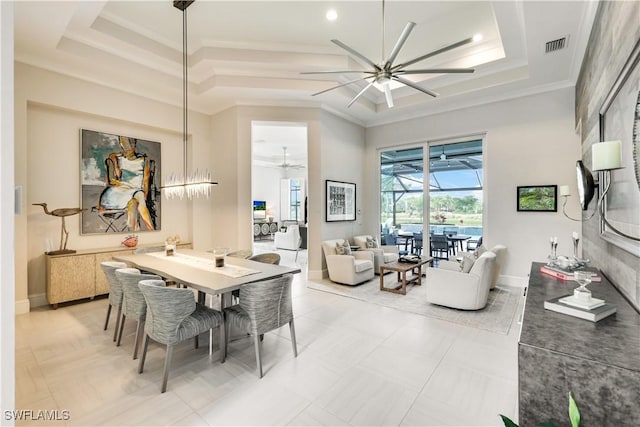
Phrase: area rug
(496, 317)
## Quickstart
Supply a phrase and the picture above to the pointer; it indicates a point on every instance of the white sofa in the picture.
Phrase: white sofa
(347, 269)
(290, 239)
(501, 255)
(465, 291)
(381, 255)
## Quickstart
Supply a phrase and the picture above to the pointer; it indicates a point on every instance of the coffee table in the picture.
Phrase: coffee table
(402, 268)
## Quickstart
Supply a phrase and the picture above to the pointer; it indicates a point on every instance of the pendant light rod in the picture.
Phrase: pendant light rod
(198, 184)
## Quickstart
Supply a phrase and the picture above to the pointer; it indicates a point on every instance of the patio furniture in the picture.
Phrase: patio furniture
(439, 246)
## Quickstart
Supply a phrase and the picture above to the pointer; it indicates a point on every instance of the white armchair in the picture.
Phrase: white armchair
(288, 240)
(461, 262)
(347, 269)
(381, 255)
(466, 291)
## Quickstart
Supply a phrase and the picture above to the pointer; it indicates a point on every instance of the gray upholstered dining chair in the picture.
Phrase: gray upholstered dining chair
(133, 303)
(264, 306)
(115, 291)
(241, 253)
(267, 258)
(174, 316)
(148, 249)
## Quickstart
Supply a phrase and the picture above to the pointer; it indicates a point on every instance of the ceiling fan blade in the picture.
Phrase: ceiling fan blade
(436, 71)
(337, 72)
(433, 53)
(400, 43)
(387, 95)
(360, 94)
(356, 53)
(343, 84)
(413, 85)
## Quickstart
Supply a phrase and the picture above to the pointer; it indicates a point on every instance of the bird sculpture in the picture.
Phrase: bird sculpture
(64, 234)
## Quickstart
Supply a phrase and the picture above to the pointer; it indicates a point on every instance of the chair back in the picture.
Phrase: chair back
(267, 258)
(149, 249)
(417, 242)
(133, 304)
(501, 256)
(439, 242)
(484, 268)
(388, 239)
(166, 309)
(329, 246)
(268, 303)
(115, 288)
(241, 253)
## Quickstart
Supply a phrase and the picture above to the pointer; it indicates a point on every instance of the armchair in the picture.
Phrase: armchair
(467, 259)
(381, 255)
(465, 291)
(290, 239)
(347, 269)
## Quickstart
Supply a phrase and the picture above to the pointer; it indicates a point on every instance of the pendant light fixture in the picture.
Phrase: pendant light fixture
(198, 184)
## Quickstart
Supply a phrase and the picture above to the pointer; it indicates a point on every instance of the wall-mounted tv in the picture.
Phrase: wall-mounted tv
(259, 209)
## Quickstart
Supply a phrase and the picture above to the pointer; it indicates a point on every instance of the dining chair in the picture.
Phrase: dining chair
(149, 249)
(267, 258)
(133, 303)
(174, 316)
(241, 253)
(115, 291)
(264, 306)
(440, 245)
(417, 243)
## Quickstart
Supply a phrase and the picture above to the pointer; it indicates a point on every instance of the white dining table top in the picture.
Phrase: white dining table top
(202, 274)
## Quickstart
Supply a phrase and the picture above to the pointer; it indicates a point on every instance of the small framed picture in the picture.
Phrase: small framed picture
(341, 201)
(537, 198)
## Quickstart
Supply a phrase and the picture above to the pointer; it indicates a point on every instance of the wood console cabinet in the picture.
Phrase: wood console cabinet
(76, 276)
(599, 363)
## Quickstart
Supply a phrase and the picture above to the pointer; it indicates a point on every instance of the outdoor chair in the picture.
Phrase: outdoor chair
(440, 246)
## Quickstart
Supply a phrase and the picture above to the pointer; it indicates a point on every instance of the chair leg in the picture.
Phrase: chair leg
(223, 342)
(292, 330)
(139, 332)
(106, 322)
(115, 332)
(121, 329)
(196, 342)
(144, 354)
(258, 345)
(167, 363)
(227, 336)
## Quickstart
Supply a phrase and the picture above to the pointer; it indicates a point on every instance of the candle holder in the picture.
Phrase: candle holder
(553, 257)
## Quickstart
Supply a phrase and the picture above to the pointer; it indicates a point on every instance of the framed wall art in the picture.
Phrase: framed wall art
(537, 198)
(620, 120)
(341, 201)
(120, 192)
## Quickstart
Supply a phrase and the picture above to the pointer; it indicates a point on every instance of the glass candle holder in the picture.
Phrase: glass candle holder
(219, 254)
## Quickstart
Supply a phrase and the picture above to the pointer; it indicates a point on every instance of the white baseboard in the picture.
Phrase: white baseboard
(23, 306)
(38, 300)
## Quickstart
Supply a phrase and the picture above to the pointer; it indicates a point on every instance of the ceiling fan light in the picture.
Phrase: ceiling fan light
(331, 15)
(477, 37)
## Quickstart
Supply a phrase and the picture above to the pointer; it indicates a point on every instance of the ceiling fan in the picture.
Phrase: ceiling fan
(382, 74)
(285, 165)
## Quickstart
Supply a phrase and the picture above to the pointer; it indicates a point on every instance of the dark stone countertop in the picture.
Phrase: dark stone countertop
(613, 341)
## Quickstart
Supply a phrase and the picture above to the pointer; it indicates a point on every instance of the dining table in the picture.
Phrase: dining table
(197, 269)
(457, 240)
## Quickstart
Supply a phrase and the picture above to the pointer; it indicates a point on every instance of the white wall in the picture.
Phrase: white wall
(7, 235)
(266, 186)
(50, 110)
(529, 141)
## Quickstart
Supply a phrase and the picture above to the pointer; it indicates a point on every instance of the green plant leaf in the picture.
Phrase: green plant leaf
(574, 413)
(548, 424)
(507, 422)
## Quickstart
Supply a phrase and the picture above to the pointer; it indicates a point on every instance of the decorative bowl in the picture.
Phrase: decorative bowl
(130, 241)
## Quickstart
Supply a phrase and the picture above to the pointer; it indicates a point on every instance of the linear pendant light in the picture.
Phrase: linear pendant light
(198, 184)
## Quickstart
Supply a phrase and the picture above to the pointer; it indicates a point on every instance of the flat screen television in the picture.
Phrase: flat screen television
(259, 210)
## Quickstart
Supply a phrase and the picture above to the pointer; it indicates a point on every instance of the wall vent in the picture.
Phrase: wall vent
(554, 45)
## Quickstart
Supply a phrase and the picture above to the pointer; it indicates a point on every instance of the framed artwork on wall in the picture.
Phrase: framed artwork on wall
(341, 201)
(620, 120)
(537, 198)
(119, 188)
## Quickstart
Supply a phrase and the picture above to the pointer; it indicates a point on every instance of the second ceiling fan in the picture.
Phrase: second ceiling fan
(385, 72)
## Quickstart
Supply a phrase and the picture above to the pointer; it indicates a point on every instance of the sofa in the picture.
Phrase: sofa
(464, 291)
(465, 260)
(383, 254)
(350, 269)
(289, 239)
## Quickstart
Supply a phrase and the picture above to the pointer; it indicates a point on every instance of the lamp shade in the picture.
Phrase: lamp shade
(565, 190)
(606, 155)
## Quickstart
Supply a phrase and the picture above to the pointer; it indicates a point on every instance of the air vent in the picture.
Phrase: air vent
(554, 45)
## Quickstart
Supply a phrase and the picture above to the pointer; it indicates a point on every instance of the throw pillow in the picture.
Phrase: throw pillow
(343, 249)
(467, 263)
(372, 243)
(479, 251)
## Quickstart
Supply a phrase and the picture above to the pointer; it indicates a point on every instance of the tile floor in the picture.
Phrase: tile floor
(358, 364)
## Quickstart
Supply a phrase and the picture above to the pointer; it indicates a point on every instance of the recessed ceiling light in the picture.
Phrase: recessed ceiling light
(332, 15)
(477, 37)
